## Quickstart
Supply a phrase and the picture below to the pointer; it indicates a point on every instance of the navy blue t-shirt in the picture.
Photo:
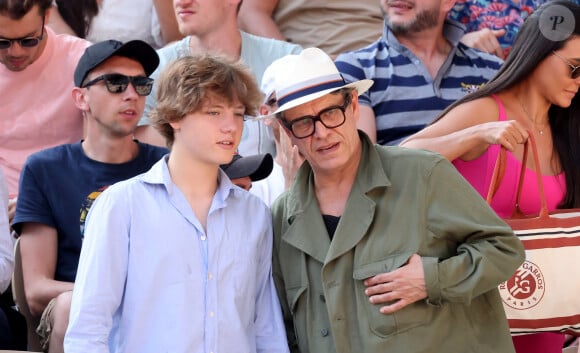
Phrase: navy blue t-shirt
(57, 187)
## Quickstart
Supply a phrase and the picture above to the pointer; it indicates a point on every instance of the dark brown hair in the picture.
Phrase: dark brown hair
(16, 9)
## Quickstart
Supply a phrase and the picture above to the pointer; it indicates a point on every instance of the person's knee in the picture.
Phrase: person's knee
(60, 314)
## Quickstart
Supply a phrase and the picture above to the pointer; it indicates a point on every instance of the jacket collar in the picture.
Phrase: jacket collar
(307, 231)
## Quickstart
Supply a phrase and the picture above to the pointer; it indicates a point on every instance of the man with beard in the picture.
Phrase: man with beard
(419, 67)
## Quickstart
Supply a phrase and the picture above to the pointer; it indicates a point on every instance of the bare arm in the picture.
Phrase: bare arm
(167, 21)
(367, 122)
(256, 17)
(467, 131)
(38, 246)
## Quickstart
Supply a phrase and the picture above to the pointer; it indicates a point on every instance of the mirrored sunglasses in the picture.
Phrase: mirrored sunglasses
(117, 83)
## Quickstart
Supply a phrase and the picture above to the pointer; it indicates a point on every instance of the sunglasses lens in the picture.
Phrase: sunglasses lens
(143, 85)
(116, 83)
(576, 73)
(29, 42)
(5, 44)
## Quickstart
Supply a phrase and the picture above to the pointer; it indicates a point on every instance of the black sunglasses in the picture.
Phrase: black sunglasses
(25, 42)
(117, 83)
(331, 117)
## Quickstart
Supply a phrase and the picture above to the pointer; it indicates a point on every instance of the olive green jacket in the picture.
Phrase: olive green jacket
(402, 202)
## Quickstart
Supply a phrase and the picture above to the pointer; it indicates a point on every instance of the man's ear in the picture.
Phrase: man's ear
(447, 5)
(263, 110)
(80, 98)
(354, 104)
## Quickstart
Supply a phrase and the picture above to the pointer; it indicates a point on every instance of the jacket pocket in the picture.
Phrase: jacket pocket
(382, 325)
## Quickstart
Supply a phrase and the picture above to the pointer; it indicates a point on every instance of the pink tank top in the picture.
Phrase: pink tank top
(478, 173)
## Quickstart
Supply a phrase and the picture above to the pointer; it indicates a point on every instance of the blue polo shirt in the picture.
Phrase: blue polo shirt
(404, 97)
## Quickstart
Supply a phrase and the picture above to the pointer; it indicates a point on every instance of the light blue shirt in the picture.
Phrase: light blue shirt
(150, 279)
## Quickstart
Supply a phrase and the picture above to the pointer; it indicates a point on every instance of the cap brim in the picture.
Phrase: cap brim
(361, 86)
(257, 167)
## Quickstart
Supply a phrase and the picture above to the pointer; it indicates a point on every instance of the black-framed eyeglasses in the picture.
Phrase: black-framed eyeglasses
(331, 117)
(575, 72)
(25, 42)
(117, 83)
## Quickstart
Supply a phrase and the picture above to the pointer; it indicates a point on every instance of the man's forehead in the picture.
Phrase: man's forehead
(212, 98)
(314, 106)
(22, 27)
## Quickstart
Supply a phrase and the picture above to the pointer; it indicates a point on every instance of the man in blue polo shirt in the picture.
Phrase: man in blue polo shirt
(419, 67)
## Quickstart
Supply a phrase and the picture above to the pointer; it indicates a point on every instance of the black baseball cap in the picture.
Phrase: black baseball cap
(257, 167)
(94, 55)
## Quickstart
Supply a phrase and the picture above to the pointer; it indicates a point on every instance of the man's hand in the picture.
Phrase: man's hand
(485, 40)
(402, 286)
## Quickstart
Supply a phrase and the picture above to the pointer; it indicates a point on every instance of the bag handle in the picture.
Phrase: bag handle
(499, 169)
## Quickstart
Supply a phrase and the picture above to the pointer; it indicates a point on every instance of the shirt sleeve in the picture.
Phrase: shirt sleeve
(6, 243)
(488, 252)
(351, 69)
(32, 205)
(99, 285)
(270, 332)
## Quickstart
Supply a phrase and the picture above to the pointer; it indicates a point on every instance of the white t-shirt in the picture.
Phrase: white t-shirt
(126, 20)
(270, 188)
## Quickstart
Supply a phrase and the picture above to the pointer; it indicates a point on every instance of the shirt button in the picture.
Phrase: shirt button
(210, 276)
(323, 298)
(203, 237)
(211, 313)
(324, 332)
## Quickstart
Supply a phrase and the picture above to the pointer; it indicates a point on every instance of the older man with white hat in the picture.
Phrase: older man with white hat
(380, 249)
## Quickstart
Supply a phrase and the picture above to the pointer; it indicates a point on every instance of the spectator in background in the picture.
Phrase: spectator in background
(492, 25)
(197, 276)
(152, 21)
(73, 17)
(535, 90)
(419, 67)
(334, 26)
(36, 78)
(212, 26)
(61, 183)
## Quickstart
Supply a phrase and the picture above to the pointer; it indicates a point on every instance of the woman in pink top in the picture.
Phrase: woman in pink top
(534, 91)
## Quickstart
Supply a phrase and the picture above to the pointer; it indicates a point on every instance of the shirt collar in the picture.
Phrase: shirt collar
(159, 174)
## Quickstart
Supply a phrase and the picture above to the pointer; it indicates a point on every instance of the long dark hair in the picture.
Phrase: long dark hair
(530, 48)
(78, 14)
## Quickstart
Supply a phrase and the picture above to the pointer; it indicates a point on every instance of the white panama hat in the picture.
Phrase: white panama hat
(304, 77)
